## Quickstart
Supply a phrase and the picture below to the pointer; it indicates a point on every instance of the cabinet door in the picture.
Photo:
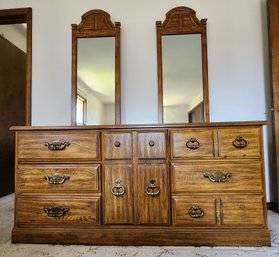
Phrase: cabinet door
(118, 194)
(153, 191)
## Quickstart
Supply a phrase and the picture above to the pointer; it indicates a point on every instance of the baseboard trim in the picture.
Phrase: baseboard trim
(271, 206)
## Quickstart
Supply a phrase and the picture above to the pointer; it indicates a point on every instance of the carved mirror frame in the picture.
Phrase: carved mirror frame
(182, 20)
(96, 23)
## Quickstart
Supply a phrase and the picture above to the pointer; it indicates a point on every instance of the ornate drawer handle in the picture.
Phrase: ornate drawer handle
(240, 142)
(193, 143)
(56, 211)
(151, 143)
(56, 178)
(150, 189)
(217, 176)
(118, 189)
(57, 145)
(196, 212)
(117, 144)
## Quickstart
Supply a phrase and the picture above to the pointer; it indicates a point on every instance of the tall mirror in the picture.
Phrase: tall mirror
(182, 68)
(96, 70)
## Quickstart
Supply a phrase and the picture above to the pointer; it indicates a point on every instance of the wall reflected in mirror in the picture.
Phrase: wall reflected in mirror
(182, 78)
(95, 81)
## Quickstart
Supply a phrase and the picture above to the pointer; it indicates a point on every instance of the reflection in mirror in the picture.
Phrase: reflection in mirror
(182, 76)
(182, 68)
(96, 70)
(95, 81)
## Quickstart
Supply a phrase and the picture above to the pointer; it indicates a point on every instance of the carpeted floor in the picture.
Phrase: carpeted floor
(34, 250)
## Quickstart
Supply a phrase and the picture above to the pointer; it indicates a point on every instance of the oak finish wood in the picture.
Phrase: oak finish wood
(182, 20)
(97, 23)
(234, 212)
(273, 32)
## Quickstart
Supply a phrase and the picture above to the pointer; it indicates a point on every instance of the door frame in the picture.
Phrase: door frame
(15, 16)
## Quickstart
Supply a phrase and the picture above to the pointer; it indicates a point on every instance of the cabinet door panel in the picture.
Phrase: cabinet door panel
(153, 194)
(118, 194)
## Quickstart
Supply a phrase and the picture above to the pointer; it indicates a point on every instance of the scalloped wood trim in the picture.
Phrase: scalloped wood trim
(182, 17)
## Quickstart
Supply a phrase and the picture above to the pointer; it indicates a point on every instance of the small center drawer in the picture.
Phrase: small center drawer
(58, 211)
(192, 143)
(56, 145)
(117, 146)
(152, 145)
(58, 178)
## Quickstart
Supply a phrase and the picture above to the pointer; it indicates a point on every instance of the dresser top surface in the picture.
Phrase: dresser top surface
(142, 126)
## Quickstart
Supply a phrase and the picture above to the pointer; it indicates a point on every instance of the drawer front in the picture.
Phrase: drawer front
(217, 177)
(152, 145)
(117, 146)
(57, 211)
(240, 143)
(57, 145)
(192, 143)
(194, 211)
(242, 211)
(118, 194)
(153, 194)
(58, 178)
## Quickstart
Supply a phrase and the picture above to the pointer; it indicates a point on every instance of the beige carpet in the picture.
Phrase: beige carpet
(29, 250)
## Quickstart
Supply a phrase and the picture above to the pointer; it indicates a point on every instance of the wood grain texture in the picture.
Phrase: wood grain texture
(111, 150)
(152, 145)
(189, 177)
(84, 146)
(83, 178)
(153, 209)
(273, 33)
(182, 204)
(251, 135)
(118, 209)
(82, 211)
(179, 138)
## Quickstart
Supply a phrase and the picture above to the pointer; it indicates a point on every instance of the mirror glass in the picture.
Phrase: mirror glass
(183, 95)
(95, 81)
(182, 78)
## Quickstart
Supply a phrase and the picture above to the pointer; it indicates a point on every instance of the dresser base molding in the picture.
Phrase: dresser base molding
(161, 236)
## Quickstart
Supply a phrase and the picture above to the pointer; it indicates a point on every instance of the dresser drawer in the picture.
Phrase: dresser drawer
(194, 211)
(57, 211)
(242, 211)
(117, 146)
(58, 178)
(192, 143)
(240, 142)
(217, 176)
(152, 145)
(70, 145)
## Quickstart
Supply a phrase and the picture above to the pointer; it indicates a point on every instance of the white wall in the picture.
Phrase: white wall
(237, 57)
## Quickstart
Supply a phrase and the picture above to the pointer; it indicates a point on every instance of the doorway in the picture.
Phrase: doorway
(15, 86)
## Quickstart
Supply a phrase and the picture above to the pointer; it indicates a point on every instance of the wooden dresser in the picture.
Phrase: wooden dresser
(196, 184)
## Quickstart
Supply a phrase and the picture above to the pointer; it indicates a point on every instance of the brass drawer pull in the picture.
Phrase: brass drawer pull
(117, 144)
(150, 189)
(118, 189)
(196, 212)
(151, 143)
(56, 211)
(240, 142)
(217, 176)
(193, 144)
(56, 178)
(57, 145)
